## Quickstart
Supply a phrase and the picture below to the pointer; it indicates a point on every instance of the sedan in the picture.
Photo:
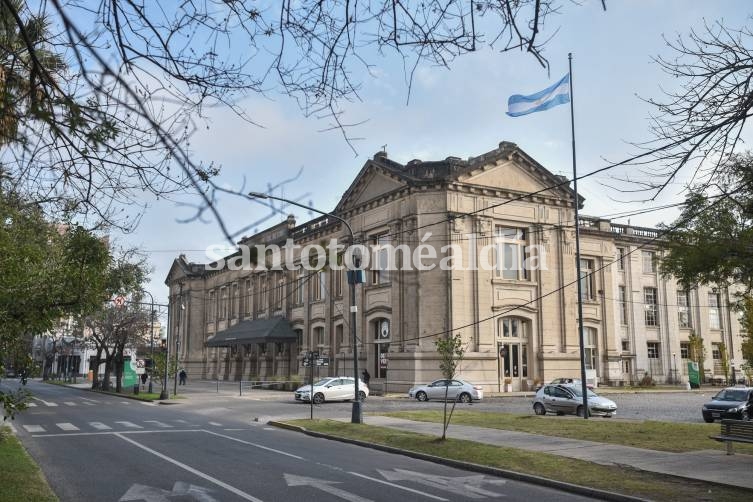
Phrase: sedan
(732, 402)
(332, 389)
(456, 389)
(561, 399)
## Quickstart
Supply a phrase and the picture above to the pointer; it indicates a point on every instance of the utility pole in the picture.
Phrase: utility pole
(177, 339)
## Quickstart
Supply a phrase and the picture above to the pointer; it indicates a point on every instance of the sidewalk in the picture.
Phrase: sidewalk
(707, 465)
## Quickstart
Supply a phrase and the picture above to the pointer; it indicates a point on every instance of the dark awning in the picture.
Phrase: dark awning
(254, 331)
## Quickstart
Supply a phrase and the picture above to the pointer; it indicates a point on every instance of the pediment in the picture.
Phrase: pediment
(177, 272)
(515, 176)
(371, 183)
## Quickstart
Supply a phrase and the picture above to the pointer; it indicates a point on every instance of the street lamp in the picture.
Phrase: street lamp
(151, 338)
(356, 414)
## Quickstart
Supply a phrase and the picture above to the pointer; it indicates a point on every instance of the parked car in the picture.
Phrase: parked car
(570, 381)
(561, 399)
(463, 391)
(332, 389)
(732, 402)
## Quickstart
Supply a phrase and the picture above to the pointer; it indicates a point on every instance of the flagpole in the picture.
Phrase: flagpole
(582, 348)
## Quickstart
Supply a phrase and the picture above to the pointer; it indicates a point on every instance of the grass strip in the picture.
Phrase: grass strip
(653, 435)
(21, 479)
(615, 479)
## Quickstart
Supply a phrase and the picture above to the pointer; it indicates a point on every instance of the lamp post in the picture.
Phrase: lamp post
(151, 337)
(674, 368)
(164, 394)
(356, 414)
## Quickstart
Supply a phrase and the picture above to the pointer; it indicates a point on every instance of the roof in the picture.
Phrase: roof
(276, 329)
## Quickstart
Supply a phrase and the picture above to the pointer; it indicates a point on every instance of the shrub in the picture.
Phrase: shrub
(646, 381)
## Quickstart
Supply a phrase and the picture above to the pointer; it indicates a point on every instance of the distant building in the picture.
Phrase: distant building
(517, 324)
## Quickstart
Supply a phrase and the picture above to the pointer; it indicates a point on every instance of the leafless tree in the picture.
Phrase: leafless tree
(700, 123)
(105, 94)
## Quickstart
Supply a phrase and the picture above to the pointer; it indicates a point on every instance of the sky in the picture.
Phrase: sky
(459, 112)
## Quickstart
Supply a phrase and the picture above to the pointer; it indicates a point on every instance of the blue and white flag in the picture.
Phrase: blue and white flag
(557, 94)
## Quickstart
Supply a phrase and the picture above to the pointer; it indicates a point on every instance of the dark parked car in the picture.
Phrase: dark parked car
(732, 402)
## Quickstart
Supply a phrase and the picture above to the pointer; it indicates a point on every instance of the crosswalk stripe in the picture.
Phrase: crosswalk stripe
(100, 426)
(67, 426)
(157, 423)
(215, 424)
(183, 421)
(124, 402)
(90, 400)
(69, 403)
(87, 403)
(129, 424)
(31, 405)
(34, 428)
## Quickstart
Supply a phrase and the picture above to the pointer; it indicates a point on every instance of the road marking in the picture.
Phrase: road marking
(270, 429)
(466, 486)
(180, 421)
(34, 428)
(157, 423)
(87, 403)
(323, 485)
(253, 444)
(31, 405)
(90, 400)
(129, 424)
(69, 403)
(103, 433)
(46, 403)
(215, 424)
(100, 426)
(180, 488)
(231, 489)
(398, 486)
(66, 426)
(124, 402)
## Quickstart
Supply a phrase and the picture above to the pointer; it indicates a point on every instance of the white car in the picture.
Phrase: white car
(332, 389)
(463, 391)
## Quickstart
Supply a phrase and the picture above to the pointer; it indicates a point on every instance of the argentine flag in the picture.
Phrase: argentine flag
(557, 94)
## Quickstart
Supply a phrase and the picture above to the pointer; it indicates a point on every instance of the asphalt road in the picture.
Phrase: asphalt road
(105, 448)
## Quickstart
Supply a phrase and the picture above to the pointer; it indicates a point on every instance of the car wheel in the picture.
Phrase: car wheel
(318, 398)
(708, 420)
(579, 411)
(464, 398)
(421, 396)
(539, 409)
(361, 396)
(745, 415)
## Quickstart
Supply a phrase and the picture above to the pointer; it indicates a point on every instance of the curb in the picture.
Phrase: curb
(483, 469)
(114, 394)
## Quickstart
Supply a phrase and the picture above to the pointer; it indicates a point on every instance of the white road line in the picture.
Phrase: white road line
(100, 426)
(87, 403)
(124, 402)
(218, 424)
(180, 421)
(69, 403)
(253, 444)
(66, 426)
(34, 428)
(34, 405)
(190, 469)
(129, 424)
(46, 403)
(398, 486)
(112, 433)
(157, 423)
(90, 400)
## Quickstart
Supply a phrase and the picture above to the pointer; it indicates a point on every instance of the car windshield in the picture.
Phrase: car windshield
(732, 395)
(322, 382)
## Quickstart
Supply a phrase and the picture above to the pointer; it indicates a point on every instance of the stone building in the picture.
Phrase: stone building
(486, 216)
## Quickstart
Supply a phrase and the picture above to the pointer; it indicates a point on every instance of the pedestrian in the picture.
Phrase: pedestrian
(143, 379)
(366, 376)
(182, 375)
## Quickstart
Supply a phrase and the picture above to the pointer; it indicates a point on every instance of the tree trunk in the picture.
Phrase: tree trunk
(444, 420)
(108, 369)
(119, 374)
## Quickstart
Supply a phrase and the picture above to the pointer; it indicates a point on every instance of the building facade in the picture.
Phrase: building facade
(496, 241)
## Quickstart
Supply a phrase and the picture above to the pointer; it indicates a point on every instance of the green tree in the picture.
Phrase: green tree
(746, 322)
(451, 353)
(158, 369)
(724, 360)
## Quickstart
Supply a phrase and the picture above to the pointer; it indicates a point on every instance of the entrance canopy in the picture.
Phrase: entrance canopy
(254, 331)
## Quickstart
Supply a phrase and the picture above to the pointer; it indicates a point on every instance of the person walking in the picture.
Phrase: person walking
(365, 376)
(143, 380)
(182, 376)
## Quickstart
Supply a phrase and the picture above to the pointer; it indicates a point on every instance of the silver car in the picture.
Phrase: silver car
(463, 391)
(561, 399)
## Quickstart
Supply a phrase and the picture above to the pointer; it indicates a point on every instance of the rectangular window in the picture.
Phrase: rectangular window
(623, 306)
(684, 350)
(510, 248)
(620, 258)
(626, 345)
(683, 309)
(339, 333)
(649, 300)
(223, 302)
(234, 302)
(652, 349)
(589, 346)
(338, 279)
(380, 273)
(714, 314)
(322, 284)
(248, 297)
(279, 292)
(586, 280)
(318, 337)
(649, 262)
(263, 289)
(211, 306)
(716, 352)
(300, 286)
